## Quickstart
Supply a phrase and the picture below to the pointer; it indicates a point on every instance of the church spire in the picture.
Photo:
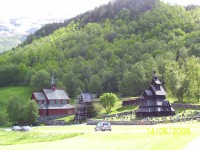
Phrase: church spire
(53, 83)
(154, 74)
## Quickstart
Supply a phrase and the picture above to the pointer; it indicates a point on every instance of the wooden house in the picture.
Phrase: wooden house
(153, 101)
(53, 101)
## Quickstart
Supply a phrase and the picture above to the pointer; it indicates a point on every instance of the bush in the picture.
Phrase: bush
(94, 109)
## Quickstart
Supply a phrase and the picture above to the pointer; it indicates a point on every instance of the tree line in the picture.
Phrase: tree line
(20, 112)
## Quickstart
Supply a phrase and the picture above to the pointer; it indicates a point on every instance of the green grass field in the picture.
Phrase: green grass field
(120, 138)
(8, 93)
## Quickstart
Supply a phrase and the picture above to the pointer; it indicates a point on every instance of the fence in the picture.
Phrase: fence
(139, 122)
(131, 102)
(146, 122)
(179, 105)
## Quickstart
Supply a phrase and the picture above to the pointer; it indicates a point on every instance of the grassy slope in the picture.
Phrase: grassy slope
(8, 93)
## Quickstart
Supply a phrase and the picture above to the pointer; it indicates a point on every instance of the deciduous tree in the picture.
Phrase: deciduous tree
(107, 100)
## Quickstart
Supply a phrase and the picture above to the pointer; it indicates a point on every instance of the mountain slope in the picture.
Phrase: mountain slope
(13, 31)
(112, 55)
(99, 14)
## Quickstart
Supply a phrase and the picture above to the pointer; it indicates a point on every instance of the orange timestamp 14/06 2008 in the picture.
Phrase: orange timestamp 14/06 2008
(168, 131)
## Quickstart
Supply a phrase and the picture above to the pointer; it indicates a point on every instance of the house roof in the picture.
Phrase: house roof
(39, 95)
(86, 97)
(55, 94)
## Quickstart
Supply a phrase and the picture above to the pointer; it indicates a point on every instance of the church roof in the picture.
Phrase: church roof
(148, 92)
(39, 95)
(159, 91)
(55, 94)
(156, 80)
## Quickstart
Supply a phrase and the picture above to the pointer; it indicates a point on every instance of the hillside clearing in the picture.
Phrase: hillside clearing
(8, 93)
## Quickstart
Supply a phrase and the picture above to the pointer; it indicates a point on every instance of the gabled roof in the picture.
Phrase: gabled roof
(86, 97)
(39, 96)
(57, 94)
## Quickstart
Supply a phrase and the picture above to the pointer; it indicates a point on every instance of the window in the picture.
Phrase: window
(58, 101)
(52, 102)
(64, 102)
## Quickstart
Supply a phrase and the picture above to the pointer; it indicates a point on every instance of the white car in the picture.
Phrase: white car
(103, 126)
(16, 128)
(26, 128)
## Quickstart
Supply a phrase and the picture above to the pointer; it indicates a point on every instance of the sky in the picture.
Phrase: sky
(21, 16)
(51, 8)
(57, 8)
(183, 2)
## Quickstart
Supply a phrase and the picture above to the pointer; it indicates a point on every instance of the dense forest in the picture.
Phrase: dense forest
(113, 48)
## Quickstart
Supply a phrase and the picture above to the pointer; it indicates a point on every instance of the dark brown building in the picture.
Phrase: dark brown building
(153, 101)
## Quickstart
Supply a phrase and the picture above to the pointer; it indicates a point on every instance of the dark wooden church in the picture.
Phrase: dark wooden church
(153, 101)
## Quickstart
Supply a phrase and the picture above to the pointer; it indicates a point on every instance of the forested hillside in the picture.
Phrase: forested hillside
(114, 54)
(99, 14)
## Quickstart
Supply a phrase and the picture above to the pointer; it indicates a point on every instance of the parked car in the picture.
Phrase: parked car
(16, 128)
(26, 128)
(103, 126)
